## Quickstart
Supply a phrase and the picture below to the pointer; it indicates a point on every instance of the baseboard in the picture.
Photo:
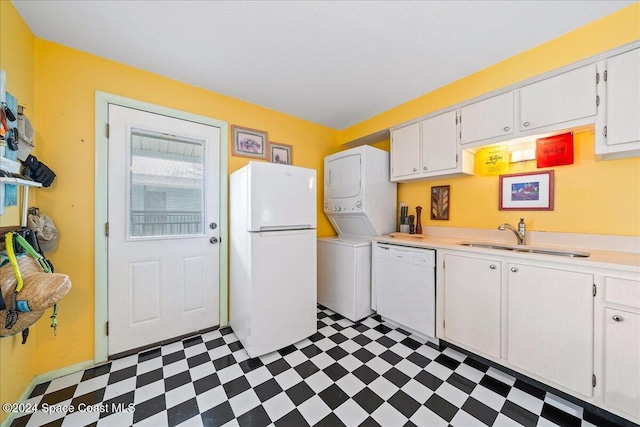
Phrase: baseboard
(47, 376)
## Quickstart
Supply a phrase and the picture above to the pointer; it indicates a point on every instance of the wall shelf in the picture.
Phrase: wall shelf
(25, 196)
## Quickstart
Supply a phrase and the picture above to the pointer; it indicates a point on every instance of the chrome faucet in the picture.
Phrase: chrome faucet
(520, 232)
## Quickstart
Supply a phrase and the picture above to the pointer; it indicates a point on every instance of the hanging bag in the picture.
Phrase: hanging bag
(44, 228)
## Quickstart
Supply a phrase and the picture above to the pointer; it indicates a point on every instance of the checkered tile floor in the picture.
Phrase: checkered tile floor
(363, 374)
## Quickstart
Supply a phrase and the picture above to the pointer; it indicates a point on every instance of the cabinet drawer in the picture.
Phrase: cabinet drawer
(622, 291)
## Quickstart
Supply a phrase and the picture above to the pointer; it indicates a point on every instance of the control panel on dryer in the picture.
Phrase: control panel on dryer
(344, 206)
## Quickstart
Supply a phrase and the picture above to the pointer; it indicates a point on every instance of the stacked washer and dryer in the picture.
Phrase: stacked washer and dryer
(360, 202)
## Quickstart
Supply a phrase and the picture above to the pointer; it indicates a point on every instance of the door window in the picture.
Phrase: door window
(167, 185)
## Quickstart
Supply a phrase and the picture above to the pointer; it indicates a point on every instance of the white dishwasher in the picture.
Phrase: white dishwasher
(405, 286)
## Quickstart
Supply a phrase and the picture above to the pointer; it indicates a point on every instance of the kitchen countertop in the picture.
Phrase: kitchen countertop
(623, 261)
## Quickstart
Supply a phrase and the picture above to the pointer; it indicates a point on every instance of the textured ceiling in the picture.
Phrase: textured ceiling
(334, 63)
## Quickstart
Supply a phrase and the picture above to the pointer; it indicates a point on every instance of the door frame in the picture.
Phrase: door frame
(102, 102)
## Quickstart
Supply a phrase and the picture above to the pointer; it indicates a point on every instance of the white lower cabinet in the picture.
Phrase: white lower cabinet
(573, 327)
(620, 344)
(550, 324)
(621, 382)
(472, 303)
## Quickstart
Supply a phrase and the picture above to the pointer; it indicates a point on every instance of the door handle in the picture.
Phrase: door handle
(213, 240)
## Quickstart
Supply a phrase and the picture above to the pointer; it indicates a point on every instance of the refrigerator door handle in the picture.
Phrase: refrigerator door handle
(285, 227)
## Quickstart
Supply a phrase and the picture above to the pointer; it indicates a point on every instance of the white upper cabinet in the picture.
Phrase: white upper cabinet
(405, 152)
(486, 119)
(563, 98)
(439, 148)
(619, 129)
(427, 149)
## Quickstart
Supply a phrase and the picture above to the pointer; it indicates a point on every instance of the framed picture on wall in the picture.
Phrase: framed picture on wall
(248, 142)
(440, 202)
(280, 153)
(531, 191)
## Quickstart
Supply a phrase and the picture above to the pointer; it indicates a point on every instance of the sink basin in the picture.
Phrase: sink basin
(529, 249)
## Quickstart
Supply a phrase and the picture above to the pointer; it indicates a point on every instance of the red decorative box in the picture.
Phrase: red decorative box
(555, 150)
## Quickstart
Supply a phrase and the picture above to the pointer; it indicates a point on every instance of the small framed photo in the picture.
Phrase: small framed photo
(440, 202)
(531, 191)
(249, 143)
(280, 153)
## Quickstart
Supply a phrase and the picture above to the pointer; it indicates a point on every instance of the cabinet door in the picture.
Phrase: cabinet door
(439, 143)
(405, 152)
(623, 98)
(565, 97)
(487, 119)
(622, 361)
(472, 289)
(550, 324)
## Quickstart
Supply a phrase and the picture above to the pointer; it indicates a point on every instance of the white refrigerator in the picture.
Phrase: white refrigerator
(273, 255)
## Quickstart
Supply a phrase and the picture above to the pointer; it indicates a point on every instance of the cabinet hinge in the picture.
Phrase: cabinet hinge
(595, 290)
(605, 131)
(107, 131)
(597, 78)
(106, 328)
(597, 100)
(461, 131)
(456, 158)
(106, 229)
(593, 380)
(604, 76)
(443, 263)
(456, 119)
(443, 323)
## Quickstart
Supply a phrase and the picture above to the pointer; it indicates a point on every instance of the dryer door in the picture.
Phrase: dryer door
(342, 177)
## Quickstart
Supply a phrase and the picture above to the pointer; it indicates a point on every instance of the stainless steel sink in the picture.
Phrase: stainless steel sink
(529, 249)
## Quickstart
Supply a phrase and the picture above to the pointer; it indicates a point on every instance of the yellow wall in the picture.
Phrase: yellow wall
(17, 361)
(66, 91)
(591, 197)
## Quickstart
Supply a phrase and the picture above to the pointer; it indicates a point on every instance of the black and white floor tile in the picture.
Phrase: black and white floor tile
(348, 374)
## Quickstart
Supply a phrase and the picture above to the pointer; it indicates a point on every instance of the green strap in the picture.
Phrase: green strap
(27, 247)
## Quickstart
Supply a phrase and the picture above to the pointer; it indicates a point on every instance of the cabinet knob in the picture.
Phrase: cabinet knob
(618, 318)
(492, 266)
(526, 124)
(514, 269)
(506, 128)
(425, 168)
(415, 169)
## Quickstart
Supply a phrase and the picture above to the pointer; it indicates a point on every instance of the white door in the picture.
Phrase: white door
(405, 152)
(163, 197)
(439, 146)
(472, 303)
(550, 324)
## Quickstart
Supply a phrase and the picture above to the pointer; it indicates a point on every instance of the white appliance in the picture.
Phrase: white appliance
(359, 201)
(273, 260)
(359, 198)
(344, 275)
(405, 289)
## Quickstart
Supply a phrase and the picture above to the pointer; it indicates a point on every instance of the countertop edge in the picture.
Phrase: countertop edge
(623, 261)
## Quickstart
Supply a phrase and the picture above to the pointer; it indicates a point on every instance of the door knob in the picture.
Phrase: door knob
(213, 240)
